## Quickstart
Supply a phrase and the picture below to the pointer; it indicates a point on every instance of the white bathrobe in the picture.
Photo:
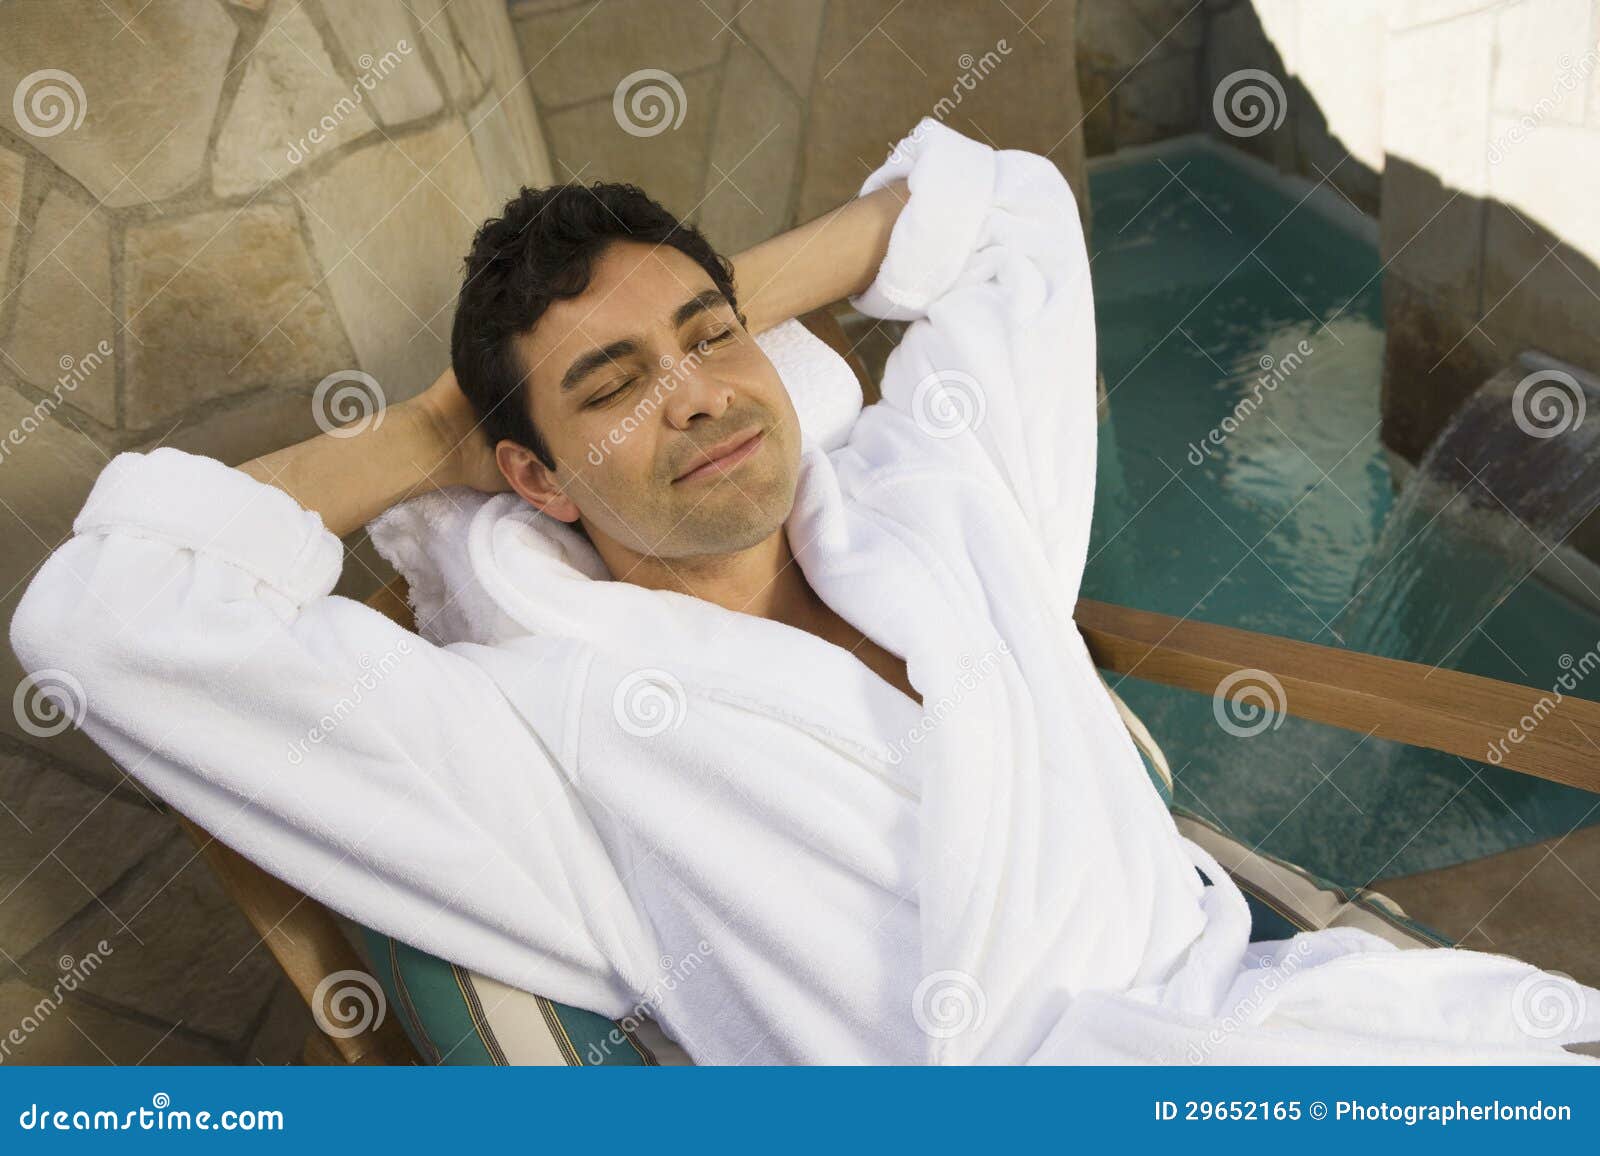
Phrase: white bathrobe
(635, 801)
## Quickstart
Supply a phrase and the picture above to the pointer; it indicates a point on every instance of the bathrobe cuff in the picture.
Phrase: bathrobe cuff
(952, 182)
(200, 504)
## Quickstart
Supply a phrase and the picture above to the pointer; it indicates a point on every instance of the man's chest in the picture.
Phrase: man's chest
(887, 667)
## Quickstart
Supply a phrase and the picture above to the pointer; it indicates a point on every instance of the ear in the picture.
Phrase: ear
(532, 479)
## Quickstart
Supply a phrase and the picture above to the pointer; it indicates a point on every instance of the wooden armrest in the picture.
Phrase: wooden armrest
(1409, 702)
(308, 944)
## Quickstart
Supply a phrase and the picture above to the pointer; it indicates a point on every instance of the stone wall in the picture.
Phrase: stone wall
(749, 117)
(753, 117)
(1493, 141)
(1140, 64)
(205, 209)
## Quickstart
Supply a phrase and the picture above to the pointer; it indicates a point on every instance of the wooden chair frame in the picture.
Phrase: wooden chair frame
(1445, 710)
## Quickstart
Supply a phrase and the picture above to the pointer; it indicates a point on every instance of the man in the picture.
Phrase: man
(701, 725)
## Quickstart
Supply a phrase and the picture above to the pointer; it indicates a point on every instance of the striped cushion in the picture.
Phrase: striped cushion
(456, 1016)
(1155, 761)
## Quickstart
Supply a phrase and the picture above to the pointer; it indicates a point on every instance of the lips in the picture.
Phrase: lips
(723, 457)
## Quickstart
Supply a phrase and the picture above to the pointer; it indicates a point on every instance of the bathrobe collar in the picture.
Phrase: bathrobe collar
(527, 574)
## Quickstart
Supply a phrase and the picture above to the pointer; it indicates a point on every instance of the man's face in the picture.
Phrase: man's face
(639, 387)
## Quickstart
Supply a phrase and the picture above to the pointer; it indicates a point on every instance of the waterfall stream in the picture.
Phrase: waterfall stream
(1508, 478)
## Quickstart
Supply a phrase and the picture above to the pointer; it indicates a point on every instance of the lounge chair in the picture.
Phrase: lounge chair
(438, 1012)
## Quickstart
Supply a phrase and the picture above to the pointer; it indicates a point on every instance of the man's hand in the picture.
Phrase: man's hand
(467, 457)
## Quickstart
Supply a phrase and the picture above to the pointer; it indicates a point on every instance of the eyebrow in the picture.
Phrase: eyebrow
(586, 363)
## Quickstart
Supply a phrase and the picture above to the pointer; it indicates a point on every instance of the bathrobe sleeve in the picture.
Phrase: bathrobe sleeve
(189, 626)
(987, 261)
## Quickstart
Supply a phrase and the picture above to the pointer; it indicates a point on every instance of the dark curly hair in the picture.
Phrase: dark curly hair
(542, 249)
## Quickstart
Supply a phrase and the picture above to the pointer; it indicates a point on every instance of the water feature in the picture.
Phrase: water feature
(1242, 482)
(1510, 476)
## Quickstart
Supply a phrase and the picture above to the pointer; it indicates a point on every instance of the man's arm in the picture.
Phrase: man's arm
(430, 441)
(832, 257)
(989, 265)
(188, 627)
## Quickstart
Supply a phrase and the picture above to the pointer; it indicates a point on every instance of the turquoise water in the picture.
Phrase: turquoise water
(1242, 482)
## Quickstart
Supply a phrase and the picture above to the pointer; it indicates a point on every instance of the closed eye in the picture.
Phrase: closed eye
(715, 339)
(602, 399)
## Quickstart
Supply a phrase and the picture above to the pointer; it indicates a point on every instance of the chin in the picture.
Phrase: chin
(747, 520)
(725, 535)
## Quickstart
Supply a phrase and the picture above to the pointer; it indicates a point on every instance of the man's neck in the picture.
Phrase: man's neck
(762, 580)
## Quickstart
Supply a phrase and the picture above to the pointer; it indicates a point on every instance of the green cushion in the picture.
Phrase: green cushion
(457, 1017)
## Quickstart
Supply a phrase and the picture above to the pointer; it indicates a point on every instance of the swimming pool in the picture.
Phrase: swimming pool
(1241, 481)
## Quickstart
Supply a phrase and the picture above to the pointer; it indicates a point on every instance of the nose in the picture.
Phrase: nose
(696, 393)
